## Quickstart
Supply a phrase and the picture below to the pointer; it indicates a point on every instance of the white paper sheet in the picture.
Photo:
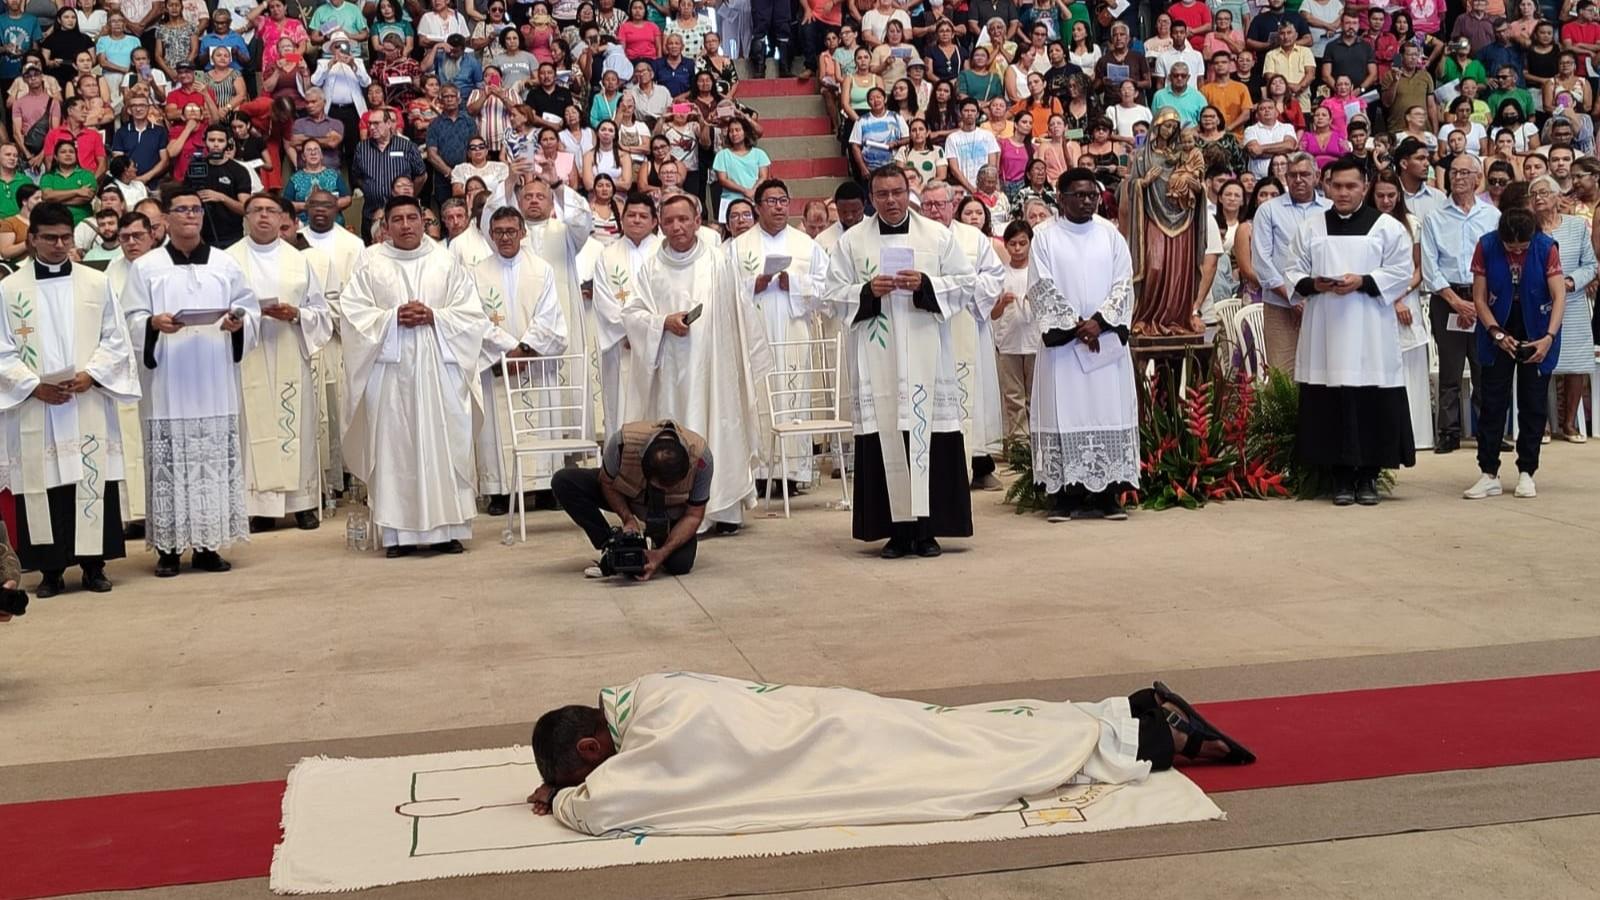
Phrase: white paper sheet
(1111, 350)
(776, 264)
(1458, 323)
(895, 260)
(199, 316)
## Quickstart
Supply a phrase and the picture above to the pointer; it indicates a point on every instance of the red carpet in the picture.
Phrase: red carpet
(194, 835)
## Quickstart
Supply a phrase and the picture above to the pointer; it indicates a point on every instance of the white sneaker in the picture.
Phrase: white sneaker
(593, 572)
(1486, 486)
(1525, 487)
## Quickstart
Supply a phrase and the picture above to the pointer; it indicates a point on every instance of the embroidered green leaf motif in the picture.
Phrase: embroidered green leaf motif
(878, 330)
(765, 688)
(1020, 710)
(619, 278)
(22, 311)
(617, 708)
(751, 264)
(938, 710)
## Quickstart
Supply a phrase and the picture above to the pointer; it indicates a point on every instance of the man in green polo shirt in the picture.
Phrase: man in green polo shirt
(1504, 82)
(11, 178)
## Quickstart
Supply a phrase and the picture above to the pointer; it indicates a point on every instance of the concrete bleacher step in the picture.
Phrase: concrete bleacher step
(797, 135)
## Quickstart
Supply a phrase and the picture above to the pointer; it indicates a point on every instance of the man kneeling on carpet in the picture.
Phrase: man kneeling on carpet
(702, 754)
(651, 471)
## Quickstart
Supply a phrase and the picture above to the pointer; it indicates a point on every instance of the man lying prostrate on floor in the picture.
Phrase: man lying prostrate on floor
(702, 754)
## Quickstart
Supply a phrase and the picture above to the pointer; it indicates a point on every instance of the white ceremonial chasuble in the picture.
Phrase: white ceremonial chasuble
(615, 274)
(902, 361)
(705, 754)
(1084, 413)
(278, 385)
(469, 248)
(1351, 340)
(787, 315)
(414, 397)
(130, 414)
(557, 243)
(195, 376)
(57, 327)
(973, 342)
(706, 381)
(519, 297)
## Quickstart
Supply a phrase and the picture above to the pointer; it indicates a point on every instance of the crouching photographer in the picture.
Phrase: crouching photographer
(656, 477)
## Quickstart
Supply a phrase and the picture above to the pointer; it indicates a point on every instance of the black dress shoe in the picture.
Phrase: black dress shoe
(726, 528)
(1367, 492)
(209, 561)
(167, 564)
(398, 551)
(1447, 445)
(1344, 495)
(259, 524)
(499, 504)
(895, 549)
(51, 585)
(306, 520)
(95, 581)
(928, 548)
(451, 546)
(1112, 510)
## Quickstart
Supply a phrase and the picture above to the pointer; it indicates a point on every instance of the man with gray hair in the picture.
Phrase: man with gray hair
(1121, 54)
(1271, 242)
(1449, 238)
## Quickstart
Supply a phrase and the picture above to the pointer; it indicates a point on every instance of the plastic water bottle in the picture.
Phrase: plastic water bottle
(358, 529)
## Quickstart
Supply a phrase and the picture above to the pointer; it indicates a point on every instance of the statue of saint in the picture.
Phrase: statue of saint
(1162, 209)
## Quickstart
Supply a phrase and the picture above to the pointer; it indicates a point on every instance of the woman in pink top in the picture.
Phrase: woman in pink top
(1321, 141)
(276, 25)
(1344, 105)
(640, 37)
(1426, 15)
(1223, 37)
(1014, 152)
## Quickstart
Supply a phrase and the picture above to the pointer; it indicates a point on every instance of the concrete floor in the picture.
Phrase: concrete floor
(306, 641)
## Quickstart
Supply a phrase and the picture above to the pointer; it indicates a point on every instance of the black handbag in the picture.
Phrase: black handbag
(33, 141)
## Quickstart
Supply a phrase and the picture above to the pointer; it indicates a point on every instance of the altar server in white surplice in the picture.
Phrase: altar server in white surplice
(703, 374)
(789, 756)
(787, 301)
(278, 388)
(136, 236)
(324, 234)
(616, 273)
(65, 366)
(898, 279)
(1084, 412)
(413, 342)
(977, 372)
(1352, 263)
(518, 291)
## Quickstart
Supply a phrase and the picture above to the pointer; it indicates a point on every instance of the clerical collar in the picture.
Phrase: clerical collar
(198, 257)
(903, 228)
(1351, 224)
(254, 247)
(43, 270)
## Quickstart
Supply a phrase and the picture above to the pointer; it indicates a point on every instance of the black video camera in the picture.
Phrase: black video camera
(624, 553)
(13, 602)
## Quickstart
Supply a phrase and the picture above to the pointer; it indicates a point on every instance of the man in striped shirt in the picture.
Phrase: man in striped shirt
(378, 161)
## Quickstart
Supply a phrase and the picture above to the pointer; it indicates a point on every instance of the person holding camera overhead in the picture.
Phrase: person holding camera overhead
(1520, 292)
(655, 476)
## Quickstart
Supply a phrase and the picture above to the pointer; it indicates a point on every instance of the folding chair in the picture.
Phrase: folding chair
(548, 418)
(804, 401)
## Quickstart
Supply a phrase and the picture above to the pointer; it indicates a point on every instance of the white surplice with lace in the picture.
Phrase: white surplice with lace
(1085, 425)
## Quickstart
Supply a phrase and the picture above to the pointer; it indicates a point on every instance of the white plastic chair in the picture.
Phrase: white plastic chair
(1251, 319)
(805, 401)
(1226, 309)
(548, 418)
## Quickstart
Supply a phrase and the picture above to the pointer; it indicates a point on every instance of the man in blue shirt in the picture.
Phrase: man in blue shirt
(141, 142)
(223, 35)
(447, 139)
(1500, 52)
(19, 33)
(458, 67)
(673, 70)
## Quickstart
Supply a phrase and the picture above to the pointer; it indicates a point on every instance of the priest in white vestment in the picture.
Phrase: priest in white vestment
(616, 271)
(65, 368)
(689, 753)
(1352, 263)
(518, 291)
(191, 319)
(136, 235)
(1084, 412)
(972, 337)
(466, 243)
(784, 274)
(278, 387)
(703, 374)
(413, 330)
(898, 279)
(341, 247)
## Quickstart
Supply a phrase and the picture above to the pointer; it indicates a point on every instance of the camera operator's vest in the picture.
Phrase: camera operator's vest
(636, 436)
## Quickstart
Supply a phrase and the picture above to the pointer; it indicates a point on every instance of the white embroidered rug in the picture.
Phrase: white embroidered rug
(360, 823)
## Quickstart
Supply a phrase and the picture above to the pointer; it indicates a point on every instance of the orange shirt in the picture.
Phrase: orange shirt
(1232, 98)
(1041, 114)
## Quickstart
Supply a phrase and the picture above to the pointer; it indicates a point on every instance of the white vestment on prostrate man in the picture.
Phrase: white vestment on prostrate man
(519, 297)
(787, 315)
(338, 249)
(707, 380)
(414, 395)
(788, 757)
(130, 415)
(616, 272)
(278, 388)
(56, 327)
(972, 338)
(193, 435)
(1084, 413)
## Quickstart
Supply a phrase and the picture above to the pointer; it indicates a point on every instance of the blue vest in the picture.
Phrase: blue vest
(1535, 301)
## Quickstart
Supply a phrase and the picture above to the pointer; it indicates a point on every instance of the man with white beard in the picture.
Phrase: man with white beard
(326, 236)
(976, 370)
(518, 291)
(787, 300)
(615, 274)
(278, 389)
(698, 356)
(413, 332)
